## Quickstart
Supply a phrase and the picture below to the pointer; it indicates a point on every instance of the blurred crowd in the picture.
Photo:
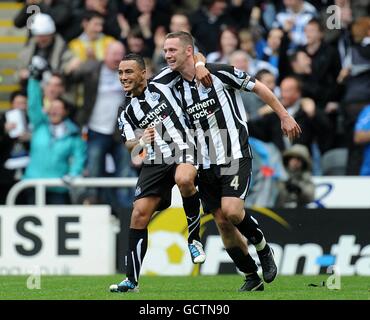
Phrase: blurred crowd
(314, 56)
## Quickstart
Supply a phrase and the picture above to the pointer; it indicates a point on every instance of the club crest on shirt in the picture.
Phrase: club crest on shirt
(205, 90)
(137, 191)
(154, 96)
(239, 73)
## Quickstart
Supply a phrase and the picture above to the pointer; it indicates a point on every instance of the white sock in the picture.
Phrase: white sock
(261, 245)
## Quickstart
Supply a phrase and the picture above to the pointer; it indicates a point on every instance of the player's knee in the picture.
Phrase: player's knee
(232, 215)
(184, 182)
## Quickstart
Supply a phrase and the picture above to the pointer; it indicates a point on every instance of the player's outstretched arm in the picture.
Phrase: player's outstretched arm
(289, 126)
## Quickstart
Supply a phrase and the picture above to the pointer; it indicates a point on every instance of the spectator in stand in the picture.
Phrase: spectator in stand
(45, 47)
(294, 18)
(356, 80)
(247, 42)
(228, 42)
(109, 11)
(213, 16)
(179, 22)
(57, 150)
(325, 67)
(314, 123)
(146, 15)
(298, 190)
(53, 88)
(158, 59)
(362, 137)
(271, 50)
(321, 82)
(106, 8)
(340, 35)
(13, 148)
(249, 45)
(59, 10)
(92, 42)
(98, 117)
(301, 66)
(136, 43)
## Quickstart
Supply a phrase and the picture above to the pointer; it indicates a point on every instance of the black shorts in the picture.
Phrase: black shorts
(230, 180)
(156, 180)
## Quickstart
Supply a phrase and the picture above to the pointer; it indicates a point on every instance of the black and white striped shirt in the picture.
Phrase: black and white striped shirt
(156, 107)
(216, 114)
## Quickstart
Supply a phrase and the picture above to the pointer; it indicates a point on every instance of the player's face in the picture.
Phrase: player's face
(175, 53)
(132, 77)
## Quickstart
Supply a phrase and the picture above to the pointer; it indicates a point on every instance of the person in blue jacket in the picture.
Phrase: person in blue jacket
(57, 149)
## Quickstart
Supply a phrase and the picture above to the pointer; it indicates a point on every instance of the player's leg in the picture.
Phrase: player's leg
(235, 186)
(236, 246)
(233, 209)
(137, 242)
(235, 243)
(152, 193)
(185, 176)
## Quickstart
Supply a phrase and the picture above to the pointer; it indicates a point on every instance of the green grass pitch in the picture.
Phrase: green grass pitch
(182, 288)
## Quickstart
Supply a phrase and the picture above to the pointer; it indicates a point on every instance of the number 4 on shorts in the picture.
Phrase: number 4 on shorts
(235, 183)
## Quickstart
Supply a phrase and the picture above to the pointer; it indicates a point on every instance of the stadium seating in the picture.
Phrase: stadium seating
(333, 162)
(11, 41)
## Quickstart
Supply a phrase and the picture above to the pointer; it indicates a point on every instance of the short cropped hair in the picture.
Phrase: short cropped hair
(135, 57)
(185, 37)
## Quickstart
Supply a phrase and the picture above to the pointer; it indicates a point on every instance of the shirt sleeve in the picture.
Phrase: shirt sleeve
(125, 127)
(166, 77)
(232, 76)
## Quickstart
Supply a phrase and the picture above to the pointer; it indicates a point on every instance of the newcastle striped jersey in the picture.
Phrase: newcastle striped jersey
(156, 107)
(216, 114)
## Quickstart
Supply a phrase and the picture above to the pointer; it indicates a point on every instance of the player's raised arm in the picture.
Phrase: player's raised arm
(289, 126)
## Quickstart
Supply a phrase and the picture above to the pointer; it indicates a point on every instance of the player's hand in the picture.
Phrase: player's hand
(148, 136)
(290, 127)
(203, 76)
